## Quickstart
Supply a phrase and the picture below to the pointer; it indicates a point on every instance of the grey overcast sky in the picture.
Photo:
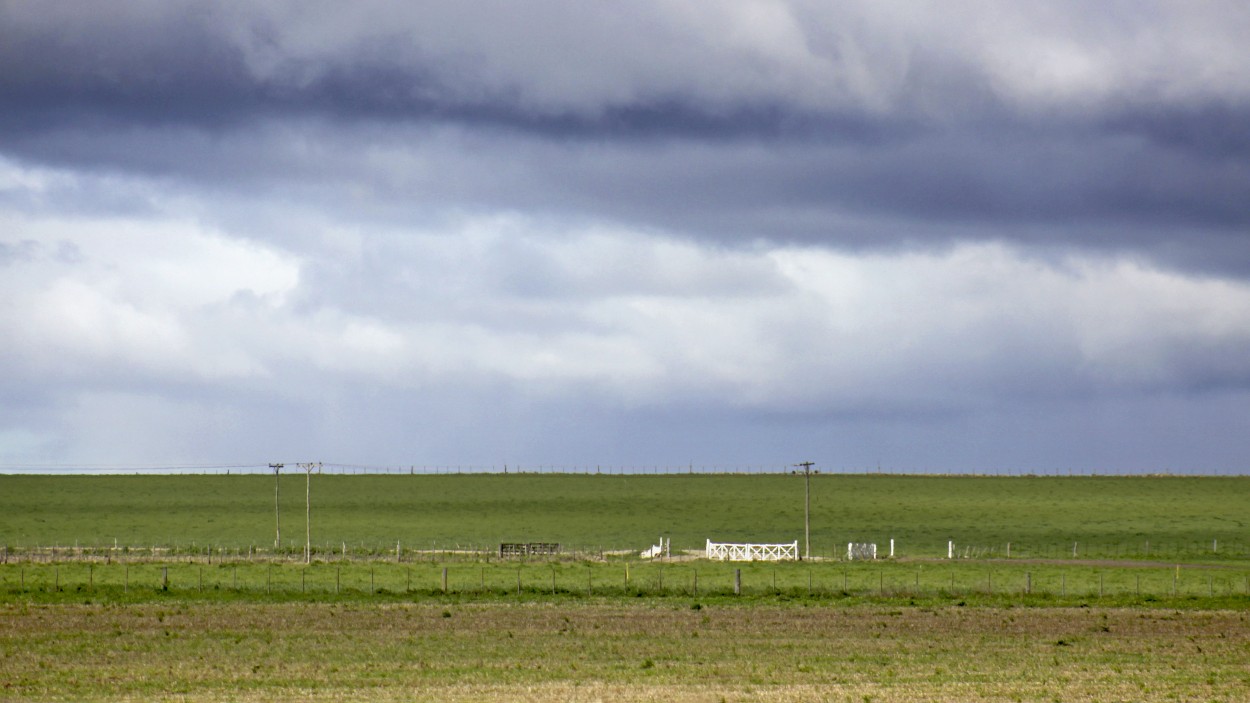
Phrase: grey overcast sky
(949, 235)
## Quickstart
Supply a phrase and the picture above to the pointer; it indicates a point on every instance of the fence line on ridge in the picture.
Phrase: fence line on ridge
(604, 469)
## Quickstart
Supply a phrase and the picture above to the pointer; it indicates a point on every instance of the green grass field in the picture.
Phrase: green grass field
(1155, 606)
(1164, 518)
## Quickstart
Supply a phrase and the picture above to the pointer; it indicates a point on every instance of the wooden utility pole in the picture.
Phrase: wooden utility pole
(277, 516)
(807, 509)
(308, 469)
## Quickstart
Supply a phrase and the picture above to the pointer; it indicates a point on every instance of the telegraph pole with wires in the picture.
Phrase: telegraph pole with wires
(277, 515)
(807, 508)
(308, 469)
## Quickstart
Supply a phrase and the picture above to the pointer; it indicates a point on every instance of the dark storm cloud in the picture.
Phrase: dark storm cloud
(123, 69)
(191, 79)
(1215, 129)
(177, 68)
(937, 149)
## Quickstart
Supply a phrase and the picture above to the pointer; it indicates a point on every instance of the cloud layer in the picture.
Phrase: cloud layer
(947, 235)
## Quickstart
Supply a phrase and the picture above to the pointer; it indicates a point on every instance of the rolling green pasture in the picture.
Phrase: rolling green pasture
(1163, 518)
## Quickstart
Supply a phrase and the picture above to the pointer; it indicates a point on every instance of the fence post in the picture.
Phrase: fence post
(695, 590)
(737, 582)
(165, 578)
(444, 579)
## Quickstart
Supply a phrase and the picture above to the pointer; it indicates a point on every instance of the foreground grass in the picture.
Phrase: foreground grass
(683, 650)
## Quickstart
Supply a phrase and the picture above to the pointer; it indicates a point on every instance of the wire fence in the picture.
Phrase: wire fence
(691, 579)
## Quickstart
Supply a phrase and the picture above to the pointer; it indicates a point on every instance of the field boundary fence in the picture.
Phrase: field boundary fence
(342, 552)
(606, 469)
(1143, 550)
(623, 579)
(1103, 550)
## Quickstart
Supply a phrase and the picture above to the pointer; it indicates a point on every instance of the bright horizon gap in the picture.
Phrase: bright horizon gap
(581, 469)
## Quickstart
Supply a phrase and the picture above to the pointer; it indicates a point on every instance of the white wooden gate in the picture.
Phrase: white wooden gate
(727, 551)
